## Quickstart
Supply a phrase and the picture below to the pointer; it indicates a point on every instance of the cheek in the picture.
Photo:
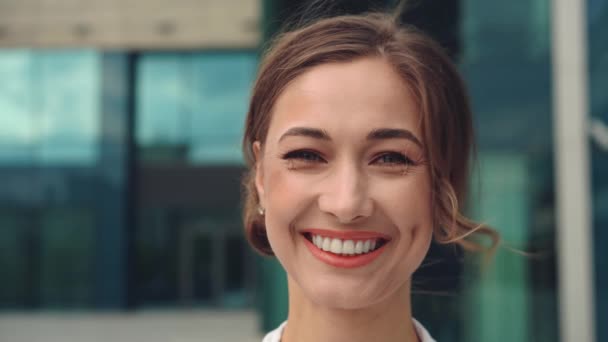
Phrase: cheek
(283, 189)
(408, 203)
(285, 198)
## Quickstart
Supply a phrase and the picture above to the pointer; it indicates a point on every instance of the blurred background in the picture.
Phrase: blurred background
(120, 165)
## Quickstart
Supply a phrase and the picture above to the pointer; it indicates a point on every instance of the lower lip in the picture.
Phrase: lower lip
(343, 261)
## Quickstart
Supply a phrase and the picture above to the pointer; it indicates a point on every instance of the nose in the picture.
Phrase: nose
(345, 195)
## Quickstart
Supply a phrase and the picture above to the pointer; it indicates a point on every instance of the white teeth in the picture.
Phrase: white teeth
(336, 246)
(343, 247)
(359, 247)
(326, 244)
(366, 246)
(348, 247)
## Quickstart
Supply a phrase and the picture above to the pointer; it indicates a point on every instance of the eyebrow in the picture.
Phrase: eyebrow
(393, 133)
(376, 134)
(305, 132)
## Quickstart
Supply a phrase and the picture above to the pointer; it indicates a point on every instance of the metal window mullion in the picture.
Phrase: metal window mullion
(574, 230)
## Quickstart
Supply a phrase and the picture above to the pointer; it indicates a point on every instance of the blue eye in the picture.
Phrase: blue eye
(394, 158)
(303, 155)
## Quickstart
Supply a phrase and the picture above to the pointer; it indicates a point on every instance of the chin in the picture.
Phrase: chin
(338, 294)
(340, 300)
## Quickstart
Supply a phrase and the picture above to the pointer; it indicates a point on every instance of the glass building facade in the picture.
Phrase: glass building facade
(190, 247)
(49, 156)
(120, 177)
(111, 164)
(506, 63)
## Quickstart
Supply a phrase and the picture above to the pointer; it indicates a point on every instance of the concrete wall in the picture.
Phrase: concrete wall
(130, 24)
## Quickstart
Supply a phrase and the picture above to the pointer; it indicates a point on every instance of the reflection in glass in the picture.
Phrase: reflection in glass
(190, 112)
(192, 106)
(49, 105)
(54, 194)
(506, 64)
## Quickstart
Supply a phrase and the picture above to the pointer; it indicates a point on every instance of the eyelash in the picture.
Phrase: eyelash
(402, 159)
(309, 156)
(302, 155)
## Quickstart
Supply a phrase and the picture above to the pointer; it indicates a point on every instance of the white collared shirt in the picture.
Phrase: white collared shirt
(275, 335)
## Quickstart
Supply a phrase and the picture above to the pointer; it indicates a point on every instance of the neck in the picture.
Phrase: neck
(388, 320)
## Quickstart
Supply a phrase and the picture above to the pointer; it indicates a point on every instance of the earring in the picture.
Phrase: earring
(261, 210)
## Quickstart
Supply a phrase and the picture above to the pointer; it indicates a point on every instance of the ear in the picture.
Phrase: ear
(259, 172)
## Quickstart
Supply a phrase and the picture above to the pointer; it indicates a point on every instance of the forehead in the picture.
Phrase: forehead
(348, 97)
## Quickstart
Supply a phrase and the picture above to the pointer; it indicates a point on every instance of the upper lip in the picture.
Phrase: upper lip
(347, 234)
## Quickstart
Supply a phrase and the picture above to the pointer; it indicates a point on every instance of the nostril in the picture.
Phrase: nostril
(348, 220)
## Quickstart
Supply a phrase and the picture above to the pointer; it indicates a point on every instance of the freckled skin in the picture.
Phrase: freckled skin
(348, 182)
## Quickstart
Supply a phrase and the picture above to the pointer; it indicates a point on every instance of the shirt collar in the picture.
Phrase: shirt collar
(275, 335)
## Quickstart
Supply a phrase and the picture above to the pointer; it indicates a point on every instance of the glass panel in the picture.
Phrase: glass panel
(191, 257)
(156, 258)
(191, 107)
(235, 256)
(506, 63)
(224, 83)
(159, 101)
(504, 286)
(49, 107)
(61, 175)
(67, 99)
(66, 258)
(46, 258)
(13, 262)
(190, 113)
(598, 69)
(16, 131)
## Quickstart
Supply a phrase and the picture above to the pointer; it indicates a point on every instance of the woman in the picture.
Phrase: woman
(358, 139)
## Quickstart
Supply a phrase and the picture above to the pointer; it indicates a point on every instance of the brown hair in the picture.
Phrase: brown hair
(436, 86)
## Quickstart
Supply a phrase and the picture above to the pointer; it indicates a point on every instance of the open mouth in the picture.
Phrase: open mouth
(345, 247)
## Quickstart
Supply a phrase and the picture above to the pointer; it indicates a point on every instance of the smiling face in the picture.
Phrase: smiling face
(343, 167)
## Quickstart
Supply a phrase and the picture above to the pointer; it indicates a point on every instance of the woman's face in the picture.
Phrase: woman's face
(342, 172)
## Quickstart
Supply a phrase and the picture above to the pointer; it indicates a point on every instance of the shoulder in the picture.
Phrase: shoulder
(275, 335)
